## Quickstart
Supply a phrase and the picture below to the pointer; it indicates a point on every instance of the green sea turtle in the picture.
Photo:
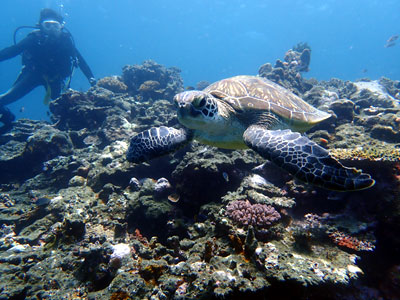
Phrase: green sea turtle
(253, 112)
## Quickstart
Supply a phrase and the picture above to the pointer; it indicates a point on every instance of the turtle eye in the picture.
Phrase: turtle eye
(200, 102)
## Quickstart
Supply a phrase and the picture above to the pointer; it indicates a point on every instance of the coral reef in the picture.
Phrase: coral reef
(299, 57)
(26, 150)
(109, 111)
(152, 81)
(287, 72)
(77, 221)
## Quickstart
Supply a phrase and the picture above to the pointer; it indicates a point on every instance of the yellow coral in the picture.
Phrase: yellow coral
(149, 85)
(376, 153)
(113, 84)
(120, 296)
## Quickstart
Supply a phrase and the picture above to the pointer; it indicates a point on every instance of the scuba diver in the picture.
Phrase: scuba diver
(49, 57)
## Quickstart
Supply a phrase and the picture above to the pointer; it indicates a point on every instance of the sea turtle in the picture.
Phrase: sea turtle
(251, 111)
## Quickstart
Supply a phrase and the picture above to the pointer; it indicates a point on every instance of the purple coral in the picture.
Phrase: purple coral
(245, 213)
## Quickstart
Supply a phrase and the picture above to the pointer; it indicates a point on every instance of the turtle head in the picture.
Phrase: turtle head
(196, 109)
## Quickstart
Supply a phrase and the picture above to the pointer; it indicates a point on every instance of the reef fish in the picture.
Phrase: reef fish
(393, 38)
(42, 201)
(226, 176)
(391, 41)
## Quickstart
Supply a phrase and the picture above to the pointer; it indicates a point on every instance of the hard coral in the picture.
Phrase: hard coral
(151, 77)
(113, 84)
(374, 153)
(149, 85)
(245, 213)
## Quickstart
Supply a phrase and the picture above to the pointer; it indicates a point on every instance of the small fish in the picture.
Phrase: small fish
(259, 167)
(143, 180)
(22, 109)
(334, 196)
(392, 39)
(388, 45)
(323, 141)
(173, 198)
(189, 88)
(226, 176)
(364, 70)
(204, 149)
(42, 201)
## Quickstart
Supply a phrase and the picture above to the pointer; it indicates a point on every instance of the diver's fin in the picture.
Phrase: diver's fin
(47, 96)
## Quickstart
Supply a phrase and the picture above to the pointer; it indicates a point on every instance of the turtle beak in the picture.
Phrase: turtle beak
(179, 102)
(184, 103)
(187, 110)
(183, 107)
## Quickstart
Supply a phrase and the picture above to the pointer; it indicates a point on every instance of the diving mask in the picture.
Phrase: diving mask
(51, 26)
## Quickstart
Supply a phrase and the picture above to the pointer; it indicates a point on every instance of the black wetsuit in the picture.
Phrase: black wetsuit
(46, 61)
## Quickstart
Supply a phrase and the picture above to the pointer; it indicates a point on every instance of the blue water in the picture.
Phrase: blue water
(213, 39)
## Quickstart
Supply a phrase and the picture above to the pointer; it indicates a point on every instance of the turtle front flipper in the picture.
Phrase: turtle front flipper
(155, 142)
(305, 159)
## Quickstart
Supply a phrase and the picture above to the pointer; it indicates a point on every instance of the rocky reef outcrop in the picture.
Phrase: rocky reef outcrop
(152, 81)
(77, 221)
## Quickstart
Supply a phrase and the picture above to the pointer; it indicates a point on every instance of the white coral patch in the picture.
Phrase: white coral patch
(257, 180)
(378, 90)
(354, 269)
(224, 276)
(56, 199)
(373, 86)
(197, 266)
(121, 250)
(126, 125)
(120, 147)
(258, 251)
(330, 96)
(18, 248)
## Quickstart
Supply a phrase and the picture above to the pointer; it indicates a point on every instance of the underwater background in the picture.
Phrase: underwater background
(90, 208)
(210, 40)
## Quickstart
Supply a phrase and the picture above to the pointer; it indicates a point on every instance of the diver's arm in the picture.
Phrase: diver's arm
(84, 67)
(14, 50)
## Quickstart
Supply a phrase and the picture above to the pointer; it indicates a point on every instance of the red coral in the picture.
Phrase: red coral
(344, 240)
(138, 236)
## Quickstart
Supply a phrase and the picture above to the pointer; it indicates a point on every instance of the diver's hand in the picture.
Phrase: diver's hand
(92, 81)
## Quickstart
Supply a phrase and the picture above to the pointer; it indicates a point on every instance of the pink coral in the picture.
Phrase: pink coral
(245, 213)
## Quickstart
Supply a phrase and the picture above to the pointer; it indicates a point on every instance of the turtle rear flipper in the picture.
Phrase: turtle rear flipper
(304, 159)
(155, 142)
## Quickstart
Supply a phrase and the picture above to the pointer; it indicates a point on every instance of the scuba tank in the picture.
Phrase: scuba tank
(74, 61)
(19, 28)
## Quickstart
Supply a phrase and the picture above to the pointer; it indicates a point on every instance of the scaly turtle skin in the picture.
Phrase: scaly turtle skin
(253, 112)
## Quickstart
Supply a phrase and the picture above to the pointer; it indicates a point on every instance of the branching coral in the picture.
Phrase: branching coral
(245, 213)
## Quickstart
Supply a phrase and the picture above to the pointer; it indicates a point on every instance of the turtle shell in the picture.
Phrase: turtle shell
(252, 93)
